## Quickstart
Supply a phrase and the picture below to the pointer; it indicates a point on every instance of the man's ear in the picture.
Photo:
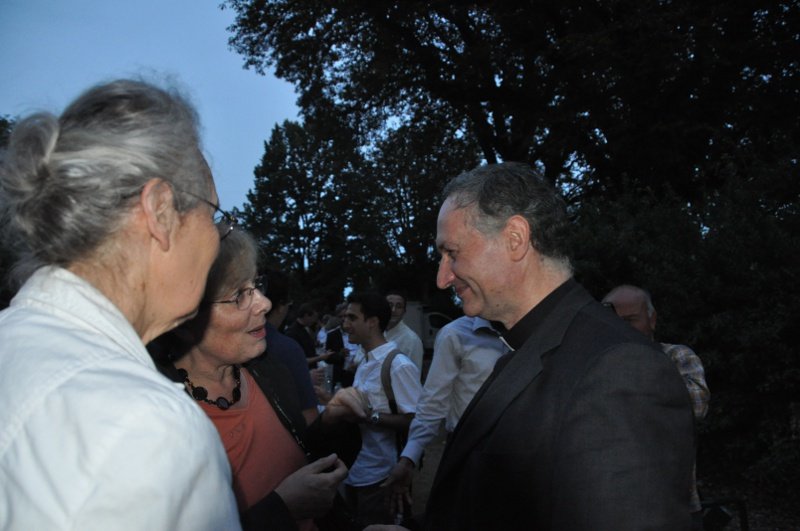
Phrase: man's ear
(517, 234)
(156, 200)
(374, 322)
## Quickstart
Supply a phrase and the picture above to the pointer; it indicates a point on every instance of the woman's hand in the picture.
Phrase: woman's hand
(309, 492)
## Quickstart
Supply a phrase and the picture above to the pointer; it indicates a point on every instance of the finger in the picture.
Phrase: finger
(323, 463)
(338, 473)
(339, 467)
(397, 505)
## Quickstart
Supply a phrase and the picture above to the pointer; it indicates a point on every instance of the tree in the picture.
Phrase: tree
(670, 125)
(409, 167)
(297, 210)
(338, 213)
(645, 92)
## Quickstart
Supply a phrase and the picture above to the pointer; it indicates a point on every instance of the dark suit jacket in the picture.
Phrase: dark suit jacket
(587, 426)
(299, 333)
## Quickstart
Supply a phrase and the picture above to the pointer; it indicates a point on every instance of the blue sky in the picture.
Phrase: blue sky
(51, 50)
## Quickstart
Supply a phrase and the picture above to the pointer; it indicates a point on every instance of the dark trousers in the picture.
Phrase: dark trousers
(368, 504)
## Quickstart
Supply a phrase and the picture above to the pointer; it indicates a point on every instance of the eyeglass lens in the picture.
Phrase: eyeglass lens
(245, 297)
(225, 222)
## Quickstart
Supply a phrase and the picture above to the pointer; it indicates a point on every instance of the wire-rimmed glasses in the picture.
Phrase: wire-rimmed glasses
(243, 298)
(225, 221)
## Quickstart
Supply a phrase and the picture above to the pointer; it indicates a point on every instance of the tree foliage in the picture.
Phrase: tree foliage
(670, 125)
(648, 90)
(341, 212)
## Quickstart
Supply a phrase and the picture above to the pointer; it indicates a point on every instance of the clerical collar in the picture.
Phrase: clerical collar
(526, 326)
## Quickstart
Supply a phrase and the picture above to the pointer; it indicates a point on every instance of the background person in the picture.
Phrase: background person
(582, 426)
(635, 306)
(407, 341)
(365, 321)
(254, 405)
(285, 349)
(110, 210)
(304, 331)
(464, 355)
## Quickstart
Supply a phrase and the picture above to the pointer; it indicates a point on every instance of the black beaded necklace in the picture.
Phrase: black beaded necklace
(200, 393)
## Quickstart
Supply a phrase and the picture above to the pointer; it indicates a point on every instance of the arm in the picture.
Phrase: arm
(691, 369)
(397, 422)
(163, 468)
(322, 357)
(336, 429)
(406, 387)
(432, 408)
(307, 493)
(434, 402)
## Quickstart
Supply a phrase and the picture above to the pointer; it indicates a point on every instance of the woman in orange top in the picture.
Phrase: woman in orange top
(252, 404)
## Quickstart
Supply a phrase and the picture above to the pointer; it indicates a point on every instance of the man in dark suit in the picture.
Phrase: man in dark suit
(303, 330)
(585, 424)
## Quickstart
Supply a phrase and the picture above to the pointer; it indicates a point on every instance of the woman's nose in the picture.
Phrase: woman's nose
(261, 303)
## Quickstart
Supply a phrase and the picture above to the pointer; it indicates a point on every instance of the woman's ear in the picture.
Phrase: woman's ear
(156, 200)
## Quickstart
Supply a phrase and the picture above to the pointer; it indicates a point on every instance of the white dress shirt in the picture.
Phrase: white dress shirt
(463, 357)
(378, 447)
(91, 435)
(407, 341)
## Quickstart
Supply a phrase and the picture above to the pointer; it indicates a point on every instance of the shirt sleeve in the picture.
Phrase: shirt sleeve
(691, 369)
(163, 468)
(434, 402)
(405, 384)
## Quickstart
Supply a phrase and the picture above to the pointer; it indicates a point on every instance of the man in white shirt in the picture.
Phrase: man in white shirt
(463, 357)
(365, 320)
(407, 341)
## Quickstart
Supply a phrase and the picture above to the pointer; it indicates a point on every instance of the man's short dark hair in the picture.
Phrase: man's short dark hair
(398, 293)
(373, 305)
(499, 191)
(307, 308)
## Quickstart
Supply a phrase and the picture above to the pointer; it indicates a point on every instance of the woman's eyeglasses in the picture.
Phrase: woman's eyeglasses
(243, 298)
(225, 221)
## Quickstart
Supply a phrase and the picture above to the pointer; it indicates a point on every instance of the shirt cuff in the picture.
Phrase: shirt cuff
(413, 451)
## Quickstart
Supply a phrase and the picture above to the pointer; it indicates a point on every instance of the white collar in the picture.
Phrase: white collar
(379, 353)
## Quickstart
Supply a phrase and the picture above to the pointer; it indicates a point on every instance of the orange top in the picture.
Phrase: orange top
(260, 449)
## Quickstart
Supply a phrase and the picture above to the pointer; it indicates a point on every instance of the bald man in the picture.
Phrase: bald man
(635, 306)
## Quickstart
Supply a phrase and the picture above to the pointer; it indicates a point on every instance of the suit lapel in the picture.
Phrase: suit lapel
(508, 382)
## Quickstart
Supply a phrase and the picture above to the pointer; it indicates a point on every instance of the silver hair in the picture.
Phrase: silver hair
(643, 293)
(496, 192)
(68, 183)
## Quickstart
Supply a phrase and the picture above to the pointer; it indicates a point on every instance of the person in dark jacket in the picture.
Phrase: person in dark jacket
(585, 425)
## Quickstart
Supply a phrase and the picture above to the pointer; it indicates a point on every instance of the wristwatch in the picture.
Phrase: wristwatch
(375, 417)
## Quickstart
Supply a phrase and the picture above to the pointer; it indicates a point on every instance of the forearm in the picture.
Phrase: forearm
(393, 421)
(269, 513)
(421, 433)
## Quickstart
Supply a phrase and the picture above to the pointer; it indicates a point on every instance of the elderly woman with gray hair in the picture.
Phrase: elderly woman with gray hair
(285, 474)
(112, 214)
